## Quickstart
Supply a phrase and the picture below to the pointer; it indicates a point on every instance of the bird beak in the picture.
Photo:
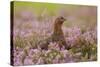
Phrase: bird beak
(64, 19)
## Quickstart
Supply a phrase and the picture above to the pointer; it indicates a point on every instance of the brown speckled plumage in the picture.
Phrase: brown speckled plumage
(57, 35)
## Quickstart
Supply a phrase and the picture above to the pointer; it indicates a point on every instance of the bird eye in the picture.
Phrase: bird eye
(62, 18)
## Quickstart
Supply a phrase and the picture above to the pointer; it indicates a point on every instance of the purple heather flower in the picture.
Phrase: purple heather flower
(28, 61)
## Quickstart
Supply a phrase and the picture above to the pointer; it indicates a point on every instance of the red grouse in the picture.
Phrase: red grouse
(57, 35)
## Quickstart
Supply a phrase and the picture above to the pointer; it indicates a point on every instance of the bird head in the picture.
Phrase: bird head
(60, 20)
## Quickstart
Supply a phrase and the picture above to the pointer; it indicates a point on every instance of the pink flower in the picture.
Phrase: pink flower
(28, 61)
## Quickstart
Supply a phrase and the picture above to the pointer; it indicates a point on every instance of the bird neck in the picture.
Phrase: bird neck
(58, 29)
